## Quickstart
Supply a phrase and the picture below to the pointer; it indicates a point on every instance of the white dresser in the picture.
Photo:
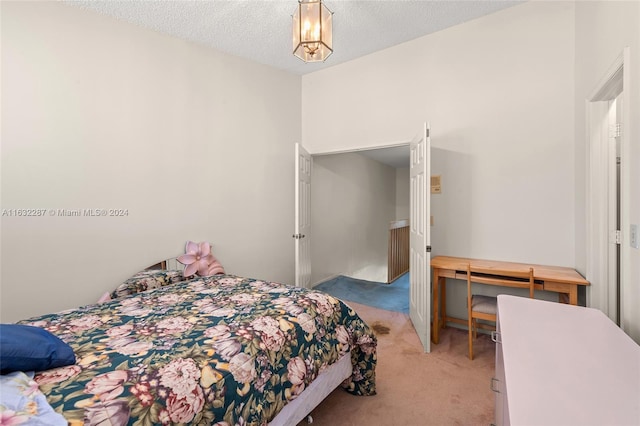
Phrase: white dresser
(563, 365)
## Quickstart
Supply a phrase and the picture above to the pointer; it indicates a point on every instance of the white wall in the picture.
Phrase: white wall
(403, 186)
(499, 94)
(352, 203)
(97, 113)
(497, 91)
(603, 30)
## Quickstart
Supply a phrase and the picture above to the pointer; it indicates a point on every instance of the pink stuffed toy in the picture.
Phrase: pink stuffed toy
(199, 260)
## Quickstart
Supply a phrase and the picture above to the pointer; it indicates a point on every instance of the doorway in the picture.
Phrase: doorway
(607, 215)
(355, 197)
(419, 230)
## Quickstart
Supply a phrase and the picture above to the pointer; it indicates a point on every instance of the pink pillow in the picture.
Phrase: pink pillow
(199, 260)
(215, 268)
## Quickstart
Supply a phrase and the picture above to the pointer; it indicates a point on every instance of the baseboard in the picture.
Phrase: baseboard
(331, 277)
(463, 325)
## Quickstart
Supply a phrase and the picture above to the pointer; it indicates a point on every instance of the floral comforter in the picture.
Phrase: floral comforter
(220, 350)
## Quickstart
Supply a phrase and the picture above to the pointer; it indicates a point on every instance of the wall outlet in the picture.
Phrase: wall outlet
(634, 236)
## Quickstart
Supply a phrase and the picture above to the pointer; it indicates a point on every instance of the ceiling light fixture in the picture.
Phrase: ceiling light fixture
(312, 31)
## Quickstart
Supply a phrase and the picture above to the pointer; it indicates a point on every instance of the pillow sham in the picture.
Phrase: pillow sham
(28, 348)
(147, 280)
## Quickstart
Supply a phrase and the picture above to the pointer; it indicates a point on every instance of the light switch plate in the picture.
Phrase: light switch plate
(634, 236)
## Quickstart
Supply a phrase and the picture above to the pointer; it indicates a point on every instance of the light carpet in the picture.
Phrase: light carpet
(413, 388)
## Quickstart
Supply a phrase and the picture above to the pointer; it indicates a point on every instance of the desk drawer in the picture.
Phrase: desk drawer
(448, 273)
(557, 287)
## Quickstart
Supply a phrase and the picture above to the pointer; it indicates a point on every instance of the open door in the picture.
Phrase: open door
(303, 217)
(420, 237)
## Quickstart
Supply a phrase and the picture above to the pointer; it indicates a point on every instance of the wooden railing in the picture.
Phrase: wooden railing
(398, 249)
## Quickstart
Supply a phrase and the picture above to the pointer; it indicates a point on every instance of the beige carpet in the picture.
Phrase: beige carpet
(414, 388)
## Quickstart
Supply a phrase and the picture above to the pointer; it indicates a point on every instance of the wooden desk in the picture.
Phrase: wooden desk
(564, 281)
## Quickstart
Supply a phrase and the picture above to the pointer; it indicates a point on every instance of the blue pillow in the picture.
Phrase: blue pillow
(28, 348)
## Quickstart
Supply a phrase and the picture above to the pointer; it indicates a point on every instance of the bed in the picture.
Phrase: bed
(222, 350)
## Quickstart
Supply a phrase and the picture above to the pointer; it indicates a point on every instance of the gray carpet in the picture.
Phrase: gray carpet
(390, 297)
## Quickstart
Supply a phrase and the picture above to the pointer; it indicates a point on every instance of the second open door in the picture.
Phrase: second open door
(302, 233)
(420, 237)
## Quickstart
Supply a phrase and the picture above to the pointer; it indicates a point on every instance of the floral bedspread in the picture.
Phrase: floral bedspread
(219, 350)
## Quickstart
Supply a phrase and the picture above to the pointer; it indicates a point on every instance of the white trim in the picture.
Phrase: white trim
(625, 185)
(331, 277)
(358, 149)
(612, 208)
(607, 88)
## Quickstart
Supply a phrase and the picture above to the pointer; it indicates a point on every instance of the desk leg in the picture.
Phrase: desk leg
(443, 296)
(570, 298)
(573, 295)
(435, 332)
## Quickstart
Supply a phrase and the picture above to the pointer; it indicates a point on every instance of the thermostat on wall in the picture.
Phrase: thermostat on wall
(436, 187)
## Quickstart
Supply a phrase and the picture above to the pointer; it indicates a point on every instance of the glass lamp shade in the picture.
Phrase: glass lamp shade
(312, 28)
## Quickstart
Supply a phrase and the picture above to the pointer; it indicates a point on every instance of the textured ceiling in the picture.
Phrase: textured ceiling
(261, 30)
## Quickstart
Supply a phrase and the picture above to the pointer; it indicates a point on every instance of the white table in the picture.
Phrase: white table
(563, 365)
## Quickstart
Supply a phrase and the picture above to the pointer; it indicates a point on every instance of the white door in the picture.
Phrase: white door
(420, 240)
(615, 235)
(302, 231)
